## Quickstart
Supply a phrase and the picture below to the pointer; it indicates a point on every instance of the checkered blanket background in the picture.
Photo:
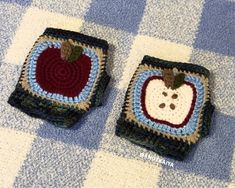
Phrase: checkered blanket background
(36, 154)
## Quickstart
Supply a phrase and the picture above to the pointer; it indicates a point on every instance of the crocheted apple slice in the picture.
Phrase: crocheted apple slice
(165, 105)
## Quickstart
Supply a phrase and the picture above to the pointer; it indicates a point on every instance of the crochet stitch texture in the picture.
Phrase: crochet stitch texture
(58, 90)
(166, 120)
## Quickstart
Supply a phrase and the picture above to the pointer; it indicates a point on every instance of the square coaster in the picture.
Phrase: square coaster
(63, 76)
(167, 107)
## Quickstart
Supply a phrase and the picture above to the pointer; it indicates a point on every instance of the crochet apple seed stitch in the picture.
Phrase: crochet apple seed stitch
(167, 107)
(63, 76)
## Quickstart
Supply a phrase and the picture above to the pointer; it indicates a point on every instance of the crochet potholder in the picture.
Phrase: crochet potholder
(63, 76)
(167, 107)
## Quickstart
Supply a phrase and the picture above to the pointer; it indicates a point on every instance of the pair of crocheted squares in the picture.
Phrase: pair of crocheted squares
(167, 107)
(63, 76)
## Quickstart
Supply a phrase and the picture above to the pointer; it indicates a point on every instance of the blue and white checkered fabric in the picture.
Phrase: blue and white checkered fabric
(35, 154)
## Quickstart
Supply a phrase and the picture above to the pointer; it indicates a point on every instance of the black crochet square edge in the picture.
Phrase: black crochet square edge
(66, 34)
(157, 143)
(188, 67)
(61, 115)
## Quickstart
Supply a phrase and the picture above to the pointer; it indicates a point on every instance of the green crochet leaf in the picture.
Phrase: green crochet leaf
(179, 80)
(76, 53)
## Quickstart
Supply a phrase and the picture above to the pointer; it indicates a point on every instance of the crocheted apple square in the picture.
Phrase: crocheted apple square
(63, 76)
(167, 107)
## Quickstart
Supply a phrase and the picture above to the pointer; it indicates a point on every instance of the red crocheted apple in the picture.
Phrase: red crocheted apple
(66, 76)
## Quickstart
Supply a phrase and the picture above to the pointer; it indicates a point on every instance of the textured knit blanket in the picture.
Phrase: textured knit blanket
(34, 153)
